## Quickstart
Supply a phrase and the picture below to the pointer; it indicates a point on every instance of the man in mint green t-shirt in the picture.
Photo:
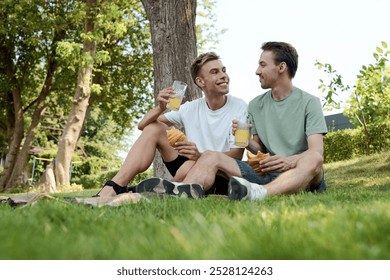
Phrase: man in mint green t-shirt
(289, 124)
(284, 125)
(286, 122)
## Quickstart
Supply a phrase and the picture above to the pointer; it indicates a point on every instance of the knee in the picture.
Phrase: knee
(316, 161)
(210, 157)
(155, 128)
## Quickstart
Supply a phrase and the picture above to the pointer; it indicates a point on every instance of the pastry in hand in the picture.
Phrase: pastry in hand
(175, 135)
(253, 161)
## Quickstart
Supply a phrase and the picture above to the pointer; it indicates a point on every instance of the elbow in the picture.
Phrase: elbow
(141, 126)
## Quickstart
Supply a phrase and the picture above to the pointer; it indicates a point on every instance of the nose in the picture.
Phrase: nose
(258, 70)
(224, 76)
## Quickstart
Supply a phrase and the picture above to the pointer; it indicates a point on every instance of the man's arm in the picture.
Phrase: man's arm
(256, 145)
(316, 143)
(278, 163)
(156, 113)
(236, 153)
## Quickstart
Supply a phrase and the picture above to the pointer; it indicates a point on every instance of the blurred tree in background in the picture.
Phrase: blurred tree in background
(368, 101)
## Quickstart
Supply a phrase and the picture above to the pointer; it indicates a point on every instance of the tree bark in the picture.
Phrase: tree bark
(172, 26)
(16, 128)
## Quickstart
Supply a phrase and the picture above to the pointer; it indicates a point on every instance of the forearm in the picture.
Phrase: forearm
(255, 146)
(236, 153)
(150, 117)
(315, 146)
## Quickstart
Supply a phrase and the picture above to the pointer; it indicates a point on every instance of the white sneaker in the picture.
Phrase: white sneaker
(241, 189)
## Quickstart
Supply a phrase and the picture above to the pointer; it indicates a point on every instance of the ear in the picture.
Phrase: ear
(282, 67)
(199, 82)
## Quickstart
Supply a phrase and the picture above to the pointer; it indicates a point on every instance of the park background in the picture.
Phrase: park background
(348, 222)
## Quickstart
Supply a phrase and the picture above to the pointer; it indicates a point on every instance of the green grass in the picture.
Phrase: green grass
(350, 221)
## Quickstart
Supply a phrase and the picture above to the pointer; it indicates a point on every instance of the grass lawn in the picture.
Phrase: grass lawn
(350, 221)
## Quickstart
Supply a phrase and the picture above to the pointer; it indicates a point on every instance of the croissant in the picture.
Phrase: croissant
(253, 161)
(175, 135)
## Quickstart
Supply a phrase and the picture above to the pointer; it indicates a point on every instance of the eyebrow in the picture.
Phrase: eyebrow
(217, 68)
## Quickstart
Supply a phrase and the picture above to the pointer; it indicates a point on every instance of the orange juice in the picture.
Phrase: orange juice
(241, 137)
(174, 103)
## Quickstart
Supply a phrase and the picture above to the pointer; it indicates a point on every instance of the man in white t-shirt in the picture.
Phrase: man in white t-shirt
(207, 123)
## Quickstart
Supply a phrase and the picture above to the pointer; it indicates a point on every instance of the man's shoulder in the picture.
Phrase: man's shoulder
(305, 94)
(259, 98)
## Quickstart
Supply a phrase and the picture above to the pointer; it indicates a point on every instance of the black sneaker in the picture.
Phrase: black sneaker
(156, 185)
(236, 190)
(162, 186)
(241, 189)
(189, 190)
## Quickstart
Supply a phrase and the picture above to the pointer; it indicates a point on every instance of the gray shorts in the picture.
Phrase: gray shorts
(249, 174)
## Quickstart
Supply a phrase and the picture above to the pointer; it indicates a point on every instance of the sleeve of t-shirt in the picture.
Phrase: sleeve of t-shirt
(253, 130)
(173, 117)
(176, 117)
(315, 120)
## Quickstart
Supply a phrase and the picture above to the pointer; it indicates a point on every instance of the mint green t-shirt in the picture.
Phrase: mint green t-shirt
(283, 126)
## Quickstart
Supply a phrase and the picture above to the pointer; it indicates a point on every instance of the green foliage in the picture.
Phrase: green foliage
(69, 51)
(349, 143)
(339, 145)
(335, 85)
(348, 222)
(124, 66)
(207, 33)
(91, 165)
(121, 89)
(94, 157)
(38, 163)
(369, 98)
(370, 101)
(93, 181)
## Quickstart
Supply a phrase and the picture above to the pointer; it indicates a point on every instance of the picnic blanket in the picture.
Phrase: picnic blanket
(32, 198)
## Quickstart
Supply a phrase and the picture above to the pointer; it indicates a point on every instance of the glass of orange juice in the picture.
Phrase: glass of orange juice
(241, 136)
(175, 101)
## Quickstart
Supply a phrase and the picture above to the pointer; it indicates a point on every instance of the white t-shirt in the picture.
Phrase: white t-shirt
(208, 129)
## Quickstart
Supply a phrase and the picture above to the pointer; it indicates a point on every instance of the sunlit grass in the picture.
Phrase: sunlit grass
(350, 221)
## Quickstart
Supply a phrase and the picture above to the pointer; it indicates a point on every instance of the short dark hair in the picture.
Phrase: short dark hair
(283, 52)
(200, 61)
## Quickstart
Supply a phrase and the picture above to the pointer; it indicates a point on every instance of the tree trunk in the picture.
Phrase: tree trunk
(172, 26)
(22, 159)
(47, 182)
(77, 114)
(16, 140)
(15, 129)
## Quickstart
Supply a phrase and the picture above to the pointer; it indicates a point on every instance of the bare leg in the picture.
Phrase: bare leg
(141, 155)
(183, 170)
(207, 166)
(307, 172)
